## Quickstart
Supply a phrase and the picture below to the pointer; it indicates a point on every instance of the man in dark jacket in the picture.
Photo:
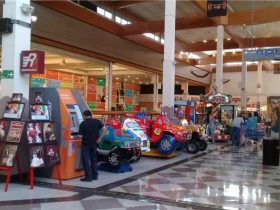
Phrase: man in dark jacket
(89, 132)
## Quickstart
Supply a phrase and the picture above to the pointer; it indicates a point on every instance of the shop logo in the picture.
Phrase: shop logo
(29, 60)
(32, 62)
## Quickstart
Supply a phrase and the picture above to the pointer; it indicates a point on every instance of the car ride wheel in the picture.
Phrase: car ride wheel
(202, 145)
(114, 158)
(192, 147)
(166, 144)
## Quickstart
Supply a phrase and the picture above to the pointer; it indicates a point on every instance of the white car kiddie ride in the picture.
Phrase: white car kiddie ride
(130, 126)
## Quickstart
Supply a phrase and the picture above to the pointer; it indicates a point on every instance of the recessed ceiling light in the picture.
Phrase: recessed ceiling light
(133, 81)
(204, 41)
(228, 39)
(117, 78)
(125, 80)
(128, 76)
(216, 40)
(177, 82)
(140, 82)
(137, 78)
(181, 52)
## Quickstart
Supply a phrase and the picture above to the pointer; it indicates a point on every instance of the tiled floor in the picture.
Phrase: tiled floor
(226, 178)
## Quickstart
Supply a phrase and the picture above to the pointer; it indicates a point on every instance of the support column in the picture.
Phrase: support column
(155, 80)
(109, 77)
(244, 83)
(168, 95)
(219, 58)
(259, 85)
(185, 88)
(12, 45)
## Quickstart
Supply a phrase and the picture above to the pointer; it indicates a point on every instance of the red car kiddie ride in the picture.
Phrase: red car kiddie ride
(166, 135)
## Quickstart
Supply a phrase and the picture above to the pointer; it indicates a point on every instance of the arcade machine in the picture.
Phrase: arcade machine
(66, 108)
(185, 110)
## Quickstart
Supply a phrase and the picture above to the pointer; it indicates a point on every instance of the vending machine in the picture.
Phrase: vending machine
(66, 107)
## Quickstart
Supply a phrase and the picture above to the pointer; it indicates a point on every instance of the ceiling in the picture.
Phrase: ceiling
(249, 24)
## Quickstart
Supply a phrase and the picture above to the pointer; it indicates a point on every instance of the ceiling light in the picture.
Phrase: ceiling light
(216, 40)
(177, 82)
(117, 78)
(228, 39)
(140, 82)
(204, 41)
(181, 52)
(34, 18)
(133, 81)
(125, 80)
(137, 78)
(128, 76)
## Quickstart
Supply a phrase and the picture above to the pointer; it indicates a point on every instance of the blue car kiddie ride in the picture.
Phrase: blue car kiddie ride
(117, 147)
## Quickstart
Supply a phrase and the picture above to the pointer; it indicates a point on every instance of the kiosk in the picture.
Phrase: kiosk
(65, 107)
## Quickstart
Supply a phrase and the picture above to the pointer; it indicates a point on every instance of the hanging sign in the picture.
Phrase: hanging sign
(262, 54)
(216, 8)
(32, 62)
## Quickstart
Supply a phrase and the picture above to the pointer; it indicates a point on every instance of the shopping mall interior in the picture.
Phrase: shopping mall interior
(175, 84)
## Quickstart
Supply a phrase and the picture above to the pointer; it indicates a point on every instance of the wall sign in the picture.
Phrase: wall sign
(32, 62)
(216, 8)
(262, 54)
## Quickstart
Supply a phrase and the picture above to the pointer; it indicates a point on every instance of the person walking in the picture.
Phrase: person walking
(211, 127)
(89, 132)
(236, 124)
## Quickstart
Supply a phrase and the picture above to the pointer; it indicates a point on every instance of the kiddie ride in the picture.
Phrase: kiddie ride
(167, 137)
(118, 147)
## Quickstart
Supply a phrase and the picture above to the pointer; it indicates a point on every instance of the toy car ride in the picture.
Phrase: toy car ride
(166, 135)
(130, 126)
(117, 147)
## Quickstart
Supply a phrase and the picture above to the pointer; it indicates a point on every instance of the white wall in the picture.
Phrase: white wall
(270, 85)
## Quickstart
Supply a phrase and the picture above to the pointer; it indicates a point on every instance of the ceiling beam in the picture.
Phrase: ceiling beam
(182, 23)
(71, 9)
(227, 58)
(257, 16)
(261, 42)
(125, 4)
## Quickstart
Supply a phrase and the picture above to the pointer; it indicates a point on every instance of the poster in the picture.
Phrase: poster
(51, 155)
(49, 132)
(4, 129)
(8, 155)
(13, 110)
(36, 155)
(101, 93)
(34, 133)
(15, 131)
(39, 112)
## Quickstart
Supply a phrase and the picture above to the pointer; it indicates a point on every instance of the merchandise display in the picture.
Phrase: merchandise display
(13, 110)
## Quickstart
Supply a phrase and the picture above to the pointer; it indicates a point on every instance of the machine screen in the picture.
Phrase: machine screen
(76, 118)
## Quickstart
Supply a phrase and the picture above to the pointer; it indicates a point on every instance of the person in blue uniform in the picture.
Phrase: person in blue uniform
(89, 132)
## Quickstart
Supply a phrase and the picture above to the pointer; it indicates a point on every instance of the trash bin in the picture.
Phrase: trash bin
(271, 152)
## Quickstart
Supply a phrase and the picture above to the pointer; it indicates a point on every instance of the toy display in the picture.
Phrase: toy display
(116, 147)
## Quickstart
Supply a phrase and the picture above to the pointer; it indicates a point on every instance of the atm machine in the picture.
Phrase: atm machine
(66, 108)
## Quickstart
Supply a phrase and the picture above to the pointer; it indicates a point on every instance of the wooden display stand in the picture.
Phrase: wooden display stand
(31, 176)
(9, 173)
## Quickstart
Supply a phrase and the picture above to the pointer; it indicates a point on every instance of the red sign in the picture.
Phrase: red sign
(32, 62)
